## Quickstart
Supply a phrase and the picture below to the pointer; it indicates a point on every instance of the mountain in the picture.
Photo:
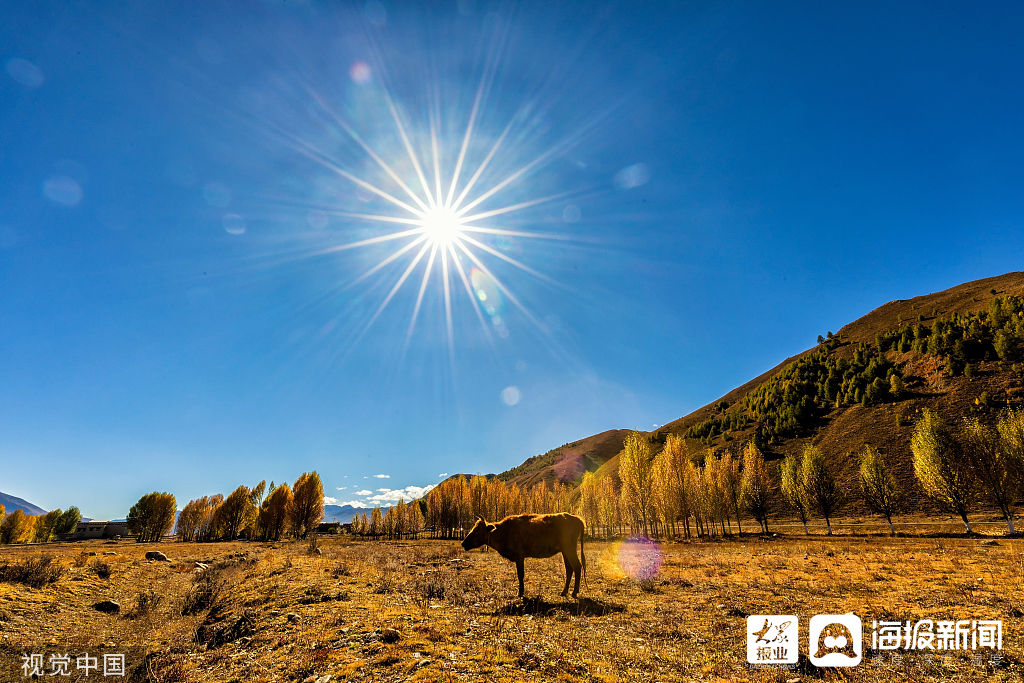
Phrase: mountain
(12, 503)
(957, 352)
(568, 462)
(342, 513)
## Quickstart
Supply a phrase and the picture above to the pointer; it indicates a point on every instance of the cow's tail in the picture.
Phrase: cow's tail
(583, 558)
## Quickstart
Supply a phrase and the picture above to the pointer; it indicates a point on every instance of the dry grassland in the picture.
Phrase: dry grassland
(425, 610)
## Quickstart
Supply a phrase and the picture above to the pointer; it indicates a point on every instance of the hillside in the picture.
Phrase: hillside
(838, 395)
(12, 503)
(568, 462)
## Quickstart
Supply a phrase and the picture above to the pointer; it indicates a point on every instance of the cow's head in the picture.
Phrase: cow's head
(478, 534)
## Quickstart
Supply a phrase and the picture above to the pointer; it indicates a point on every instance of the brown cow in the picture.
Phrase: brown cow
(520, 536)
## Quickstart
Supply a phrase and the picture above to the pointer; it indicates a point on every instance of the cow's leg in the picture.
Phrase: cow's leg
(520, 572)
(572, 562)
(568, 575)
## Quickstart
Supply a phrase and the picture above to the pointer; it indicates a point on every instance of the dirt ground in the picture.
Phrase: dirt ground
(426, 610)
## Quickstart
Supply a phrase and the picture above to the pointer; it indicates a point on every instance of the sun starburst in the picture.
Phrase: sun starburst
(441, 210)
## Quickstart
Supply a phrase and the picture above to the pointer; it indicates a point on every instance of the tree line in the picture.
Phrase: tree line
(261, 512)
(678, 492)
(685, 492)
(19, 527)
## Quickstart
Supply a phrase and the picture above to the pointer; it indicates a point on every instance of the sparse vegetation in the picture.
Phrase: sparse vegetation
(34, 571)
(146, 602)
(460, 621)
(101, 569)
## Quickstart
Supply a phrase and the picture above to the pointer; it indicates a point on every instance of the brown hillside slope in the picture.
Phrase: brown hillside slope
(843, 432)
(568, 462)
(886, 426)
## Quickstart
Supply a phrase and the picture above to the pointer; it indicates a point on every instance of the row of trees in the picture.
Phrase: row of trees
(398, 521)
(676, 492)
(453, 505)
(681, 492)
(19, 527)
(960, 465)
(246, 512)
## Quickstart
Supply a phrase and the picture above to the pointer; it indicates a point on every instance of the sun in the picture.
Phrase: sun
(442, 204)
(442, 226)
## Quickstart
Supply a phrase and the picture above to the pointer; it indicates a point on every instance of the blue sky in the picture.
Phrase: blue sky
(683, 195)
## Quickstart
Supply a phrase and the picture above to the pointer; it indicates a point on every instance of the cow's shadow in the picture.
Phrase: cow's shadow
(538, 606)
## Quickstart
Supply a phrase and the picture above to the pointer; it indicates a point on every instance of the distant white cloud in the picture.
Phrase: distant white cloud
(442, 475)
(385, 497)
(632, 176)
(342, 488)
(392, 496)
(382, 476)
(328, 500)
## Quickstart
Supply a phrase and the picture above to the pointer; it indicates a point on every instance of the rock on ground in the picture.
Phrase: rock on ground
(107, 607)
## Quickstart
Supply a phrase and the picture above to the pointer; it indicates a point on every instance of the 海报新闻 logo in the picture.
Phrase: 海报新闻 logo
(835, 640)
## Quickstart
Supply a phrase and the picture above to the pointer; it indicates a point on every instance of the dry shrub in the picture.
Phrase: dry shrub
(35, 571)
(220, 627)
(101, 569)
(648, 585)
(162, 667)
(206, 589)
(384, 582)
(441, 585)
(146, 603)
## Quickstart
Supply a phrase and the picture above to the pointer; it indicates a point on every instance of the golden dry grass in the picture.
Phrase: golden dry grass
(284, 614)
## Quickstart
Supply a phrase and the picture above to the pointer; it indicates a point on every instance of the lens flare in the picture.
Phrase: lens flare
(638, 558)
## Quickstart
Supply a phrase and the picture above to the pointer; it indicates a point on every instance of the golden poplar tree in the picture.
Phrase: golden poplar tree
(941, 468)
(881, 492)
(792, 491)
(307, 504)
(757, 485)
(635, 473)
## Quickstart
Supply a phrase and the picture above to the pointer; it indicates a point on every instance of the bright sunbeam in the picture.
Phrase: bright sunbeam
(442, 226)
(433, 191)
